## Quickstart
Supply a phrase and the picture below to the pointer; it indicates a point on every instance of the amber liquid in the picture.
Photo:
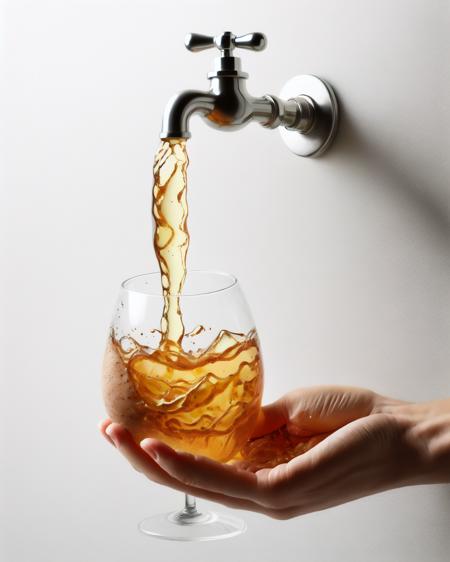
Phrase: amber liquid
(205, 402)
(171, 239)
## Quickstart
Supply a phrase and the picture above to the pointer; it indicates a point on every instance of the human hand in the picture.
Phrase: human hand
(373, 444)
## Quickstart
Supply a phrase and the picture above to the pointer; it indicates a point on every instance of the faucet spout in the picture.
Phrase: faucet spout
(179, 109)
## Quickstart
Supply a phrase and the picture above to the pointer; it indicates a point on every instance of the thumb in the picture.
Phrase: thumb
(314, 410)
(322, 409)
(271, 417)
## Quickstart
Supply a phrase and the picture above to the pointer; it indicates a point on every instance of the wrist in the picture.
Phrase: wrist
(426, 437)
(431, 432)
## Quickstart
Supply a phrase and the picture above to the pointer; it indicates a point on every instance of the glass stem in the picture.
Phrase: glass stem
(190, 506)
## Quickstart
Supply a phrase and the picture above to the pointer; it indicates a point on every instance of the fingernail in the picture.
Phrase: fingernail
(146, 444)
(109, 433)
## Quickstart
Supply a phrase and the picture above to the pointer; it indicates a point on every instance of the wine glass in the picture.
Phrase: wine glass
(202, 398)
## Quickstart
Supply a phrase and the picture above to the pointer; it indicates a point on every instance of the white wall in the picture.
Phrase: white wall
(345, 259)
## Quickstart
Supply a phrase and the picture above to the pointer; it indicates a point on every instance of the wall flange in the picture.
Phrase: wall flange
(318, 138)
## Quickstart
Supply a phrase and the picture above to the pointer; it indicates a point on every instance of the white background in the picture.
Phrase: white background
(344, 259)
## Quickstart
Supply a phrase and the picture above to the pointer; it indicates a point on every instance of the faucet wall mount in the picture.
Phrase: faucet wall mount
(306, 113)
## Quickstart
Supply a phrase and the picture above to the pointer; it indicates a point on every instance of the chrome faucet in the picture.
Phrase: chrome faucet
(307, 118)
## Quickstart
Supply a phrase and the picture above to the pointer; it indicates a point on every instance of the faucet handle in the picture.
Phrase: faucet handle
(254, 41)
(225, 42)
(196, 42)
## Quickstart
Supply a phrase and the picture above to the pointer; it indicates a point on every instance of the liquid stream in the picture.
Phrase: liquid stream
(205, 402)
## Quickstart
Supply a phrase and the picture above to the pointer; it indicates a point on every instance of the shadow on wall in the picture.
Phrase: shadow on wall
(354, 143)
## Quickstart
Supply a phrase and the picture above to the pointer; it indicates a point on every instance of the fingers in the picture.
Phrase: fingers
(143, 462)
(266, 492)
(204, 473)
(125, 443)
(103, 425)
(201, 477)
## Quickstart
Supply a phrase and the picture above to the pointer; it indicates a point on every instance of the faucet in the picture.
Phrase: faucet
(306, 113)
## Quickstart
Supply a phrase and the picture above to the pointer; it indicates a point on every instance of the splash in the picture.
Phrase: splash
(205, 402)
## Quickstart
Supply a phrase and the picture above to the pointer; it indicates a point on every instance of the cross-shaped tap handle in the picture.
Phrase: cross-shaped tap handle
(225, 42)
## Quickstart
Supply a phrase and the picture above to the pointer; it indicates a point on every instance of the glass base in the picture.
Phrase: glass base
(191, 525)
